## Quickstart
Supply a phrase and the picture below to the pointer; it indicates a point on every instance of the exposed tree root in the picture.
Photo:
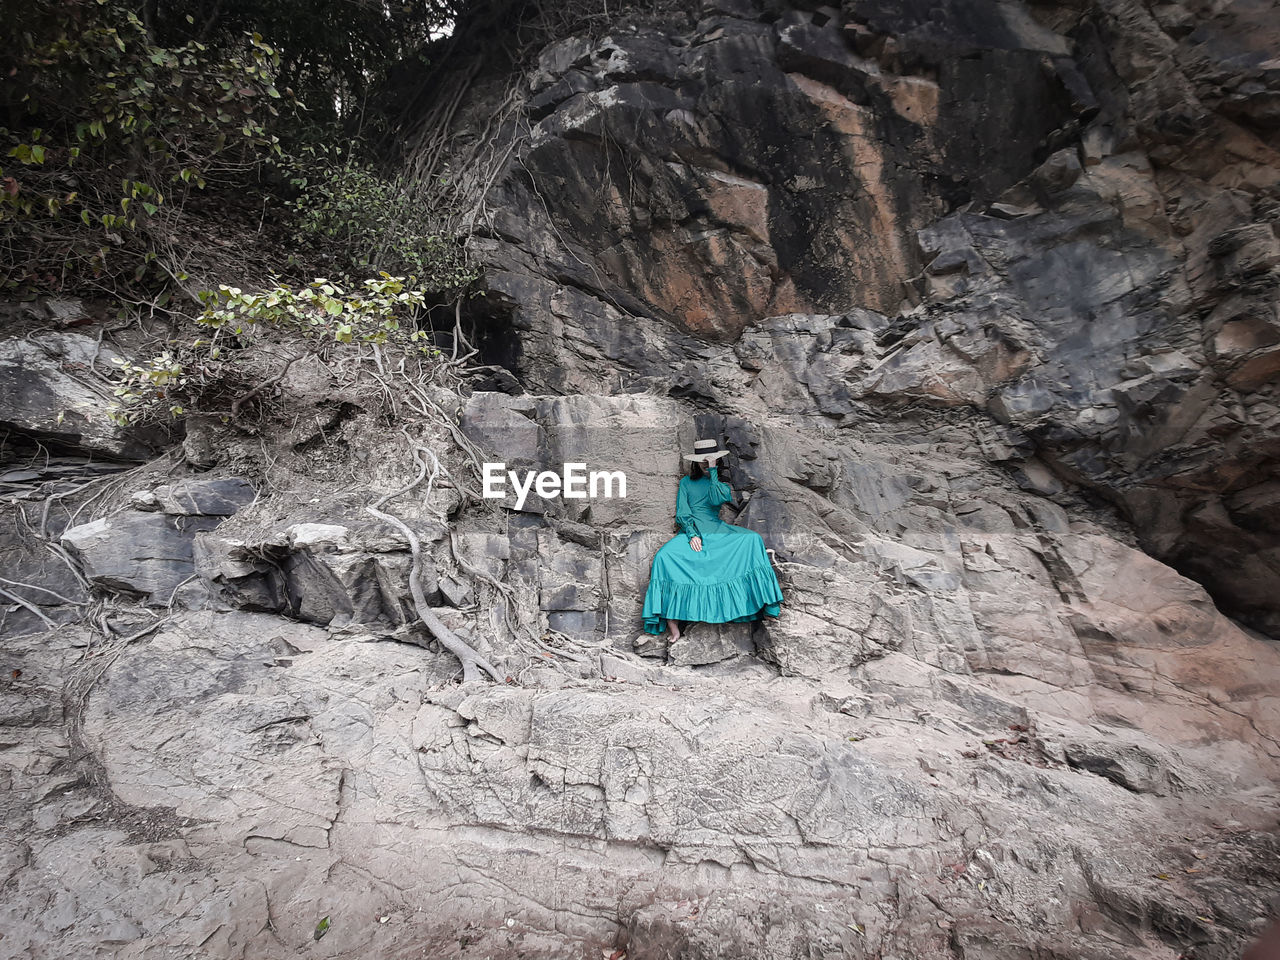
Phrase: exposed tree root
(471, 659)
(31, 608)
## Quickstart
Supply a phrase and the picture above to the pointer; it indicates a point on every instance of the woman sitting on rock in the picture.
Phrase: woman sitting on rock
(712, 571)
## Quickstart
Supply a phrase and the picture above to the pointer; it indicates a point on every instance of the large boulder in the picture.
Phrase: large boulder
(322, 573)
(53, 389)
(146, 549)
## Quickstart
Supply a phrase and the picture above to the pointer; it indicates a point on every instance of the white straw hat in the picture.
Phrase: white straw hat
(702, 449)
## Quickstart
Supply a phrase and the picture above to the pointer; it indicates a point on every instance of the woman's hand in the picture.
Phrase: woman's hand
(696, 543)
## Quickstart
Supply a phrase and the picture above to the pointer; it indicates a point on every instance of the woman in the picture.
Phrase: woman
(711, 571)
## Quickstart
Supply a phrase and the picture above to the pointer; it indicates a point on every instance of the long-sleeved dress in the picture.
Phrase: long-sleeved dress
(729, 581)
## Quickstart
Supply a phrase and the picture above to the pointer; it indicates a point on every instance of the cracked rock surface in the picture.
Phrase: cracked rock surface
(981, 299)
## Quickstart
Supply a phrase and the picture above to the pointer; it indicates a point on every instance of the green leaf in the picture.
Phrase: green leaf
(321, 928)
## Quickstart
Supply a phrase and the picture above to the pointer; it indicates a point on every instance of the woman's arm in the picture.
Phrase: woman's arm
(720, 492)
(684, 516)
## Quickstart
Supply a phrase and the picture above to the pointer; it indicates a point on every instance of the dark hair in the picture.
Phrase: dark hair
(696, 470)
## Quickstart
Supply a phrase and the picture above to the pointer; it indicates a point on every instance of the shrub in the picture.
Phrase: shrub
(356, 217)
(108, 124)
(219, 373)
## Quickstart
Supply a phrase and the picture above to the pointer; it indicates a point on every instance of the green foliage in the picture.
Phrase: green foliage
(322, 309)
(332, 51)
(108, 123)
(190, 376)
(116, 111)
(141, 384)
(355, 217)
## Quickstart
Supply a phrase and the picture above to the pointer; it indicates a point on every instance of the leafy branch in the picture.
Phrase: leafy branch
(207, 374)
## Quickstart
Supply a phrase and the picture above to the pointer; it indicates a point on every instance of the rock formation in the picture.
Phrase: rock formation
(982, 299)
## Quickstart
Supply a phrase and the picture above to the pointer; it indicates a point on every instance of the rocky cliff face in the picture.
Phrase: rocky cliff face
(1064, 218)
(983, 300)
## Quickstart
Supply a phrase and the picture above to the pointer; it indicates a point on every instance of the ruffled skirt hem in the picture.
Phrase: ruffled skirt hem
(743, 599)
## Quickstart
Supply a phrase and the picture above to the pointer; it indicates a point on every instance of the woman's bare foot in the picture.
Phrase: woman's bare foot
(675, 631)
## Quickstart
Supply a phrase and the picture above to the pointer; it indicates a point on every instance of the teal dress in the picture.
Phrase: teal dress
(729, 581)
